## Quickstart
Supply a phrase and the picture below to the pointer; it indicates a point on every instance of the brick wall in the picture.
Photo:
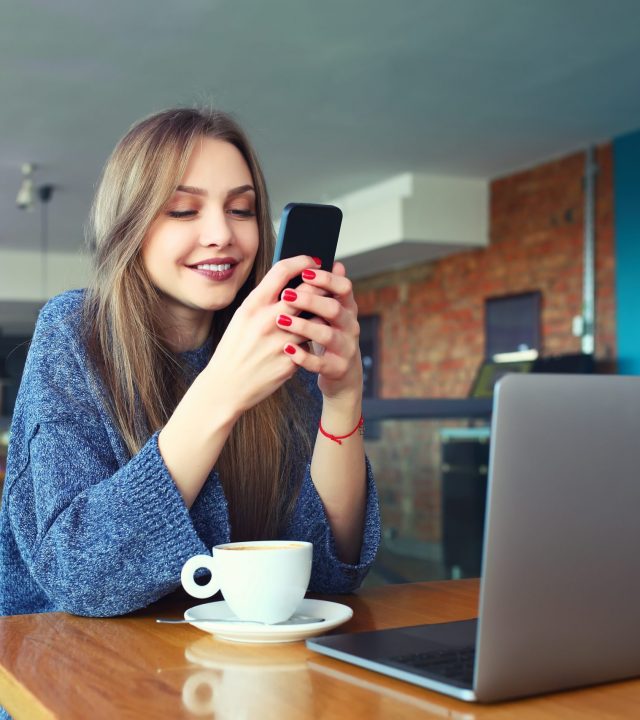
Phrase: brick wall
(432, 315)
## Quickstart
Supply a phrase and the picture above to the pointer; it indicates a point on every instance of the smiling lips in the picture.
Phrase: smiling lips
(220, 270)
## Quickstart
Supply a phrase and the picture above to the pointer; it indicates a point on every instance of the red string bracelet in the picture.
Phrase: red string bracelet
(340, 438)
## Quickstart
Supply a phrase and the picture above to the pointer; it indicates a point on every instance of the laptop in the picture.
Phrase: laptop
(560, 586)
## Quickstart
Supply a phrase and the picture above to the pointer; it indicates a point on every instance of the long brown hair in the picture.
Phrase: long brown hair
(144, 378)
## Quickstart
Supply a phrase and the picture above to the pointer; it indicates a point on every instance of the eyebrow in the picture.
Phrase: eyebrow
(192, 190)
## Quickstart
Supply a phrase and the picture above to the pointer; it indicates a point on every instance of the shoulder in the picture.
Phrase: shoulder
(62, 308)
(59, 322)
(57, 359)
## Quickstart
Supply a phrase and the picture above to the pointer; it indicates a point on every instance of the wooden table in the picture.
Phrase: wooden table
(60, 666)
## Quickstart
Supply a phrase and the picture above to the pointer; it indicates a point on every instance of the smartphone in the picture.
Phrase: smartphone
(308, 229)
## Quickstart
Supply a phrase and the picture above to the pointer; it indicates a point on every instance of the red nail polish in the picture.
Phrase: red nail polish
(289, 296)
(317, 261)
(290, 349)
(284, 320)
(308, 274)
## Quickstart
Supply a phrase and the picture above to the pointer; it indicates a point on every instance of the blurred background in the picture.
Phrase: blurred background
(485, 154)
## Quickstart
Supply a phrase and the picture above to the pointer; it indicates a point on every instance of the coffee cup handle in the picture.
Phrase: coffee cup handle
(188, 571)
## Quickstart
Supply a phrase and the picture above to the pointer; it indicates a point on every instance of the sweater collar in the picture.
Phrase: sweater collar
(199, 357)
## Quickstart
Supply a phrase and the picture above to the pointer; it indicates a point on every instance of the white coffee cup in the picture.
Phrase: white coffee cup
(261, 580)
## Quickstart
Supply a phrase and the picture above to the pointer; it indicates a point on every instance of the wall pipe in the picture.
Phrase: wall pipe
(588, 284)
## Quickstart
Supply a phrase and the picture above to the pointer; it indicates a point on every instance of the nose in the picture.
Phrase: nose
(215, 229)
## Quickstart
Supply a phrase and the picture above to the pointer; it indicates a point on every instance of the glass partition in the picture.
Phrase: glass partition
(431, 475)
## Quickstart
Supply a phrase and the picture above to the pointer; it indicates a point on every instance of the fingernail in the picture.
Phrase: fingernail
(284, 320)
(317, 261)
(308, 274)
(289, 296)
(290, 349)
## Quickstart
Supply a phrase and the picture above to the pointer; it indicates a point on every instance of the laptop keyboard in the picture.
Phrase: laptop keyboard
(452, 664)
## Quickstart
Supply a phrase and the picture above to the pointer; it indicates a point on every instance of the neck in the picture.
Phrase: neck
(188, 330)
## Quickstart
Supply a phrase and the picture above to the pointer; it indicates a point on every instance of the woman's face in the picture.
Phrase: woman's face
(200, 250)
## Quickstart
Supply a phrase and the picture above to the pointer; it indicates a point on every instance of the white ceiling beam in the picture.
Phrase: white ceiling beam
(411, 218)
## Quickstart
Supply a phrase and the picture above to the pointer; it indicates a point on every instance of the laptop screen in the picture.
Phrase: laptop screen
(491, 371)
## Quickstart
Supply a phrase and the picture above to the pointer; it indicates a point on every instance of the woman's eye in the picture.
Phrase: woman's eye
(182, 213)
(237, 212)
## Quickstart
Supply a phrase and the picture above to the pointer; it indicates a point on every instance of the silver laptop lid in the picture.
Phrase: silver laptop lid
(560, 592)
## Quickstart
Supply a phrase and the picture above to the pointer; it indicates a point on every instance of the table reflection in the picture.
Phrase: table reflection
(232, 680)
(403, 701)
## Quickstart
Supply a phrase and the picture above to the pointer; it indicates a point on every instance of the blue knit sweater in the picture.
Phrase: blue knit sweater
(87, 529)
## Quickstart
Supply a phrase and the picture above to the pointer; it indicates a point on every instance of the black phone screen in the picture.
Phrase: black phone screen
(308, 229)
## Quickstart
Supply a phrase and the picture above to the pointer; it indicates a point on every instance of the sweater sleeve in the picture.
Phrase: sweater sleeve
(99, 541)
(309, 522)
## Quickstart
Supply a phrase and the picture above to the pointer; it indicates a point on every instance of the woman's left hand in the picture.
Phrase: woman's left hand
(334, 327)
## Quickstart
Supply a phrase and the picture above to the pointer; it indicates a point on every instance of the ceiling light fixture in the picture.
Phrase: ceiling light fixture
(26, 197)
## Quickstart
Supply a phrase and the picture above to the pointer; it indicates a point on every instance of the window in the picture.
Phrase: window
(13, 355)
(369, 353)
(512, 323)
(370, 367)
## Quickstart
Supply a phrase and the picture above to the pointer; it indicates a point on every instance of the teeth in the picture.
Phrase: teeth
(214, 268)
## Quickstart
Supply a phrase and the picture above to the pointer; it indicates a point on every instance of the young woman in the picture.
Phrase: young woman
(176, 403)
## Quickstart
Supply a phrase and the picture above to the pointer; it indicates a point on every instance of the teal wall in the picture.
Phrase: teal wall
(626, 165)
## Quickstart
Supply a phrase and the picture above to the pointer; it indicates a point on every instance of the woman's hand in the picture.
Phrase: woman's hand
(329, 297)
(250, 363)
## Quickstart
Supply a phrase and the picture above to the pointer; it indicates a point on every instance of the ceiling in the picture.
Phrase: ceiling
(336, 95)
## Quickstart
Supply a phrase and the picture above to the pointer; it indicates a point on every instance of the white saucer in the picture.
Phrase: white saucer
(334, 614)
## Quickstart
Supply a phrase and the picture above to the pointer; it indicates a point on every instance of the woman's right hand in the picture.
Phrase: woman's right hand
(249, 363)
